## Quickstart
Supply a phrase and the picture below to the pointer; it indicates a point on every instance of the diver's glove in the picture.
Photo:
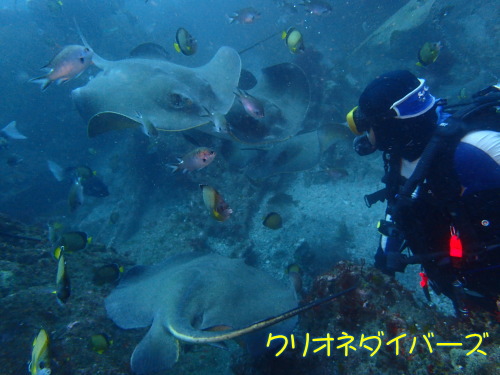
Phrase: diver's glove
(363, 146)
(390, 258)
(390, 263)
(396, 262)
(381, 262)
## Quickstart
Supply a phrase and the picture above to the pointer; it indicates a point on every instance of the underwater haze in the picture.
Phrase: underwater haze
(126, 160)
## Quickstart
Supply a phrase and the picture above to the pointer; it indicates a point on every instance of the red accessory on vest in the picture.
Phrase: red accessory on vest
(455, 244)
(423, 280)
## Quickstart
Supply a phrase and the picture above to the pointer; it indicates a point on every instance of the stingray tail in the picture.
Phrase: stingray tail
(195, 337)
(98, 61)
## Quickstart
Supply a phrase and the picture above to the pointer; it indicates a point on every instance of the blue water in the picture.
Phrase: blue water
(32, 32)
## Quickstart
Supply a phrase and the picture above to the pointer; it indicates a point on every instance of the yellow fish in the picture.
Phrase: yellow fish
(293, 40)
(63, 285)
(39, 364)
(185, 43)
(218, 207)
(428, 53)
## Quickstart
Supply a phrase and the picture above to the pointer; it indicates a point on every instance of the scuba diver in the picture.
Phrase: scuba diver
(442, 185)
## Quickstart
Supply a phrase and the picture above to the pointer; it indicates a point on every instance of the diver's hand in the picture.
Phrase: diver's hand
(396, 262)
(381, 262)
(363, 146)
(390, 262)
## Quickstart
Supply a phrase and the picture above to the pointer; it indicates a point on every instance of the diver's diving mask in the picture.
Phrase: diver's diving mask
(414, 104)
(356, 121)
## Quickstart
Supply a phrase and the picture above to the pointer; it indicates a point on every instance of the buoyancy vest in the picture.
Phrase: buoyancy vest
(431, 213)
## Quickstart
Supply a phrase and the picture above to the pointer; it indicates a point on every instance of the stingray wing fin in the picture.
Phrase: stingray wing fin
(104, 122)
(222, 73)
(157, 351)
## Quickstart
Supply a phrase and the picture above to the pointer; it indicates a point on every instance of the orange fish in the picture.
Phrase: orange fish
(67, 64)
(252, 105)
(194, 160)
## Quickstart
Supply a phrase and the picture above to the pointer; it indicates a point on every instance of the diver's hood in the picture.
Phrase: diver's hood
(405, 137)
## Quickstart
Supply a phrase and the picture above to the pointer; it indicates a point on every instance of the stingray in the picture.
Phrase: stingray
(171, 96)
(283, 90)
(299, 153)
(200, 299)
(408, 17)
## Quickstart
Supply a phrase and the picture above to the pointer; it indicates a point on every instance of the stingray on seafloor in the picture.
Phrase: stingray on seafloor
(201, 299)
(171, 96)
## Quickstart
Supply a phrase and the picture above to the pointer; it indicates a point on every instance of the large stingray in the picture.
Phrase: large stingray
(283, 90)
(171, 96)
(408, 17)
(300, 153)
(192, 298)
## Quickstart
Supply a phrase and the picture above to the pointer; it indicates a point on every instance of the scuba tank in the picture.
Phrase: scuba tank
(449, 271)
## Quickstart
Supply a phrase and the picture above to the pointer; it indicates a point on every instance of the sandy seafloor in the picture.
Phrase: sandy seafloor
(325, 222)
